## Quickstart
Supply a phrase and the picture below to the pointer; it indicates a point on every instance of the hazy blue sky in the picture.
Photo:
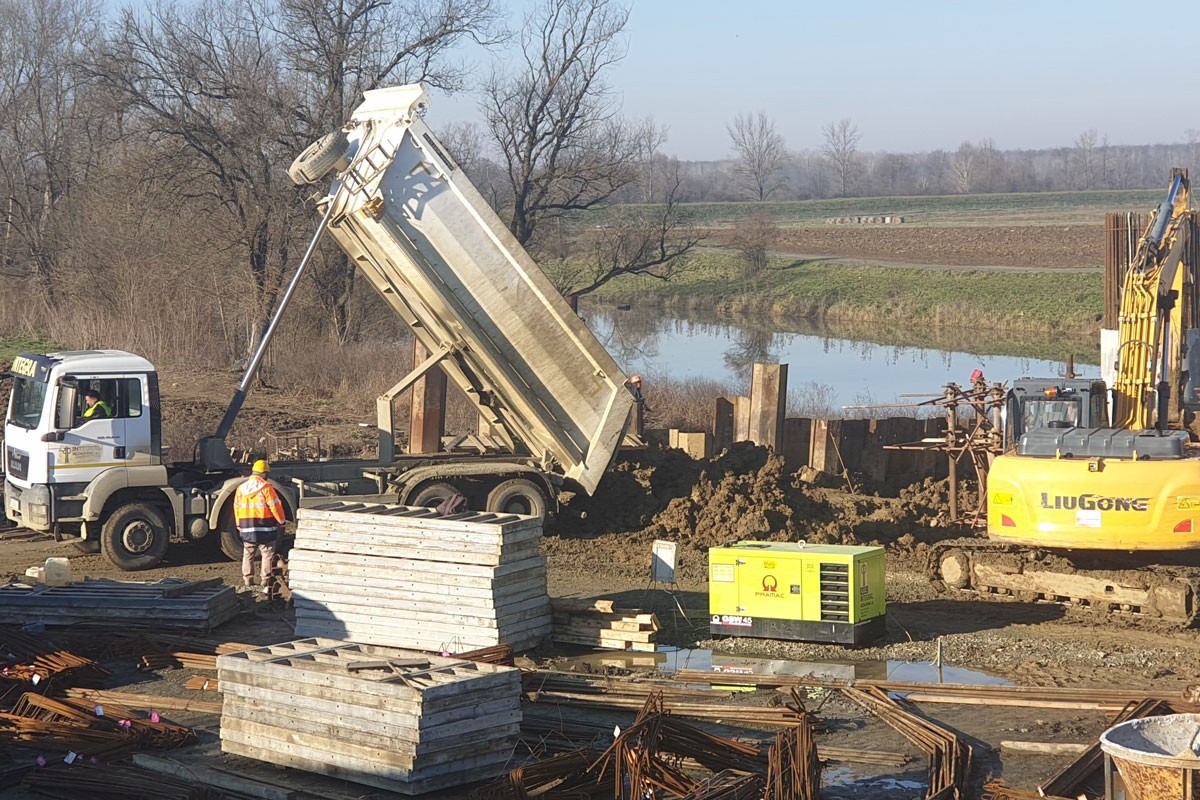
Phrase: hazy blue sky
(914, 76)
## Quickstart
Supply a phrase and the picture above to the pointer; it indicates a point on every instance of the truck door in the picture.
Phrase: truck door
(90, 446)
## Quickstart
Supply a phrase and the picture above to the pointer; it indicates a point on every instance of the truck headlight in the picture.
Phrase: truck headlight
(36, 502)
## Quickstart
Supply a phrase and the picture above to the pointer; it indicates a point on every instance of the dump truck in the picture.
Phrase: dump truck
(420, 233)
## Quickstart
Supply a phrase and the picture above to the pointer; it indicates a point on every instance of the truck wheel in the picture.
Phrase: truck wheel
(227, 534)
(517, 496)
(431, 495)
(135, 537)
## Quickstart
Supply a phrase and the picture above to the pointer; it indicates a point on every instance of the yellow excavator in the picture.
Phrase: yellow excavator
(1093, 515)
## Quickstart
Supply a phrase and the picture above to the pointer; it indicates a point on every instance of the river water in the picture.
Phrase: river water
(825, 373)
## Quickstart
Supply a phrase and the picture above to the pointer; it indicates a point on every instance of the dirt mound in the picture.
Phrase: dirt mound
(744, 493)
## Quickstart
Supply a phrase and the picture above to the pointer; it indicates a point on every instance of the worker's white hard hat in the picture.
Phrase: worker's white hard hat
(636, 379)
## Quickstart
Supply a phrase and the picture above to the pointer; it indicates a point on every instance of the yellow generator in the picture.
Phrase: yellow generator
(790, 590)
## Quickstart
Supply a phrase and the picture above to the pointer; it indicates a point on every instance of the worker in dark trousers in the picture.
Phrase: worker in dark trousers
(259, 514)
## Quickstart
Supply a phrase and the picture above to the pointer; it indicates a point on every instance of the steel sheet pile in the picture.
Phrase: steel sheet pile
(408, 577)
(395, 719)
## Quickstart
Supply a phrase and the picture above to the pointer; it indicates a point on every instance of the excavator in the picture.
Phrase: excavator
(1097, 515)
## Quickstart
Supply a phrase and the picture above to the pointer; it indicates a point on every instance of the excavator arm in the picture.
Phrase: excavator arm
(1149, 333)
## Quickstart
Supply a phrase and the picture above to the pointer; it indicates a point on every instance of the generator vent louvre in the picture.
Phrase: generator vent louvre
(835, 592)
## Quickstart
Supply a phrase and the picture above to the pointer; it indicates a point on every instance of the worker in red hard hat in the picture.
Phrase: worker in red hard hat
(635, 386)
(977, 376)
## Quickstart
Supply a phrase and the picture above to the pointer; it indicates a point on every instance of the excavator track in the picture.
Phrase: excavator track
(986, 570)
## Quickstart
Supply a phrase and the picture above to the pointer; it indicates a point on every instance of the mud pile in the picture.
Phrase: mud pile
(747, 493)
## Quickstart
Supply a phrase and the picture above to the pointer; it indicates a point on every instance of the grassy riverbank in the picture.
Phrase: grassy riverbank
(992, 302)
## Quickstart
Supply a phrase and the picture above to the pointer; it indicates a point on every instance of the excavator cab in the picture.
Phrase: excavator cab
(1054, 403)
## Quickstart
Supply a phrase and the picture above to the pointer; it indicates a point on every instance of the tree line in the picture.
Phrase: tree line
(144, 201)
(762, 167)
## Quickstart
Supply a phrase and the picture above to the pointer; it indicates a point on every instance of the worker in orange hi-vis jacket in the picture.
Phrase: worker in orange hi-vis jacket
(259, 514)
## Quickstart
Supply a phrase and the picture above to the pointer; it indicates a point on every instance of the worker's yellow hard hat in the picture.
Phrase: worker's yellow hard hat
(261, 467)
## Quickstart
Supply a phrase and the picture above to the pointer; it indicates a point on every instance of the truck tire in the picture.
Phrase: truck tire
(431, 495)
(227, 534)
(517, 496)
(135, 537)
(318, 159)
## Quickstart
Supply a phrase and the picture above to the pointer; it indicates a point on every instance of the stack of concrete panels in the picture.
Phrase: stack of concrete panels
(408, 577)
(394, 719)
(172, 602)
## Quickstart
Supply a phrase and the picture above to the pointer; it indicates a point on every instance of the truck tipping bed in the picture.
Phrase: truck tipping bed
(433, 248)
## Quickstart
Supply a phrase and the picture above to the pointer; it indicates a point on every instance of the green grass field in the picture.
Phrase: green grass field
(1029, 208)
(13, 345)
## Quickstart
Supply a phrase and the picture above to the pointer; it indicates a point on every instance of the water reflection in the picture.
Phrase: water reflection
(823, 369)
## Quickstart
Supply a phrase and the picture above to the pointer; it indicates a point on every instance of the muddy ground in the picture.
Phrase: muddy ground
(745, 493)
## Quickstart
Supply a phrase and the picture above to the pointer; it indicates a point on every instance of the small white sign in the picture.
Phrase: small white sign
(1087, 519)
(663, 561)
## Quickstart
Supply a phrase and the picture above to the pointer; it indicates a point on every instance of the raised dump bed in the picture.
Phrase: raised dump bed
(435, 251)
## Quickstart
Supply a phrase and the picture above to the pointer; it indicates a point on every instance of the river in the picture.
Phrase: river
(825, 373)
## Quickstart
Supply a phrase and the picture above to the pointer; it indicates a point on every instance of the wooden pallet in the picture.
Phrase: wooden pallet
(598, 624)
(171, 602)
(395, 719)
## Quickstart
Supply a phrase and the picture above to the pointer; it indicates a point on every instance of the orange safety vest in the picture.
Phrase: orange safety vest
(258, 511)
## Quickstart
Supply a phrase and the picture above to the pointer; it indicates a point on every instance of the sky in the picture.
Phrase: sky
(913, 76)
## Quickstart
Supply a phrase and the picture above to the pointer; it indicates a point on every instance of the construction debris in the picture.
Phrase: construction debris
(400, 720)
(964, 694)
(149, 702)
(598, 624)
(660, 756)
(999, 790)
(170, 602)
(949, 759)
(409, 577)
(85, 729)
(1071, 779)
(84, 779)
(32, 661)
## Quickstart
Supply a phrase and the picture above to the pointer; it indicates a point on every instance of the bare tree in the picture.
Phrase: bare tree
(753, 237)
(344, 47)
(841, 149)
(963, 166)
(1086, 159)
(638, 240)
(207, 85)
(761, 155)
(647, 138)
(554, 120)
(49, 132)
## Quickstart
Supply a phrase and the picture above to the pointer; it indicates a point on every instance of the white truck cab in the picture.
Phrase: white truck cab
(103, 476)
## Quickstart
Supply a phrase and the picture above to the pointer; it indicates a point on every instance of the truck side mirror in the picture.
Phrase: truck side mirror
(52, 436)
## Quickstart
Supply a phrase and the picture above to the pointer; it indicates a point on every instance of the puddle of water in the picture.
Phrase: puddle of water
(706, 660)
(672, 659)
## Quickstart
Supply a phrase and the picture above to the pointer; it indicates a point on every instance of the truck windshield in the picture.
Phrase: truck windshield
(27, 399)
